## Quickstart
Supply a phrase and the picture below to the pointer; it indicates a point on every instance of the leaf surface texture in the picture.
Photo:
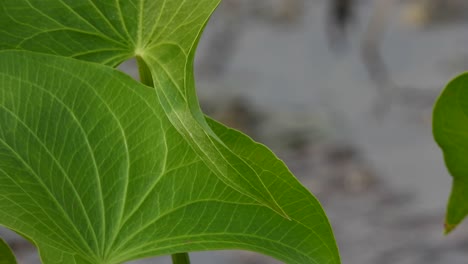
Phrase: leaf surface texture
(97, 168)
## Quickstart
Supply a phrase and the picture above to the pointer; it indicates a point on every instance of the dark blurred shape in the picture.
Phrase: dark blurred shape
(415, 13)
(372, 58)
(341, 14)
(236, 112)
(349, 170)
(225, 36)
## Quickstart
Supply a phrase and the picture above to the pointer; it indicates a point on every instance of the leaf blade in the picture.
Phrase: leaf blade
(186, 206)
(138, 192)
(450, 123)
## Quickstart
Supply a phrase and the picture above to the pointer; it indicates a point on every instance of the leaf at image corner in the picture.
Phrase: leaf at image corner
(233, 198)
(163, 34)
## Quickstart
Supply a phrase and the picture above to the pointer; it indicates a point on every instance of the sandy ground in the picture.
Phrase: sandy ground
(381, 178)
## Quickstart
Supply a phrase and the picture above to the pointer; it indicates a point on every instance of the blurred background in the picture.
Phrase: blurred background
(342, 91)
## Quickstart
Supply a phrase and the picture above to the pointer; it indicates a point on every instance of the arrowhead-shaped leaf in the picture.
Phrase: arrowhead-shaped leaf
(6, 255)
(94, 171)
(450, 127)
(162, 34)
(96, 168)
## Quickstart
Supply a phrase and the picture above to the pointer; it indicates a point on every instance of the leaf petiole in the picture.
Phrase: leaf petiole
(147, 79)
(144, 72)
(181, 258)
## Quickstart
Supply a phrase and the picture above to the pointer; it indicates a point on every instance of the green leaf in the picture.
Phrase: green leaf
(126, 171)
(93, 171)
(6, 255)
(163, 34)
(107, 32)
(450, 128)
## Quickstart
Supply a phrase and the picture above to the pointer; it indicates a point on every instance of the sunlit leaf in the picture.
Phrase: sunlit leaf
(94, 171)
(163, 34)
(100, 169)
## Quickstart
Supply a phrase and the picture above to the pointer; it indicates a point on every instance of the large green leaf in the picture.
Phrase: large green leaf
(93, 171)
(100, 169)
(162, 34)
(450, 127)
(6, 255)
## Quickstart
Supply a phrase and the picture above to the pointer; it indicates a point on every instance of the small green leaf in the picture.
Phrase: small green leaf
(450, 128)
(6, 255)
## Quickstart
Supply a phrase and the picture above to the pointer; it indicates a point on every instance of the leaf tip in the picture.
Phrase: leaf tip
(449, 228)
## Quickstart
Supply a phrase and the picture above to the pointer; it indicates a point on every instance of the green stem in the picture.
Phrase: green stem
(181, 258)
(147, 79)
(145, 73)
